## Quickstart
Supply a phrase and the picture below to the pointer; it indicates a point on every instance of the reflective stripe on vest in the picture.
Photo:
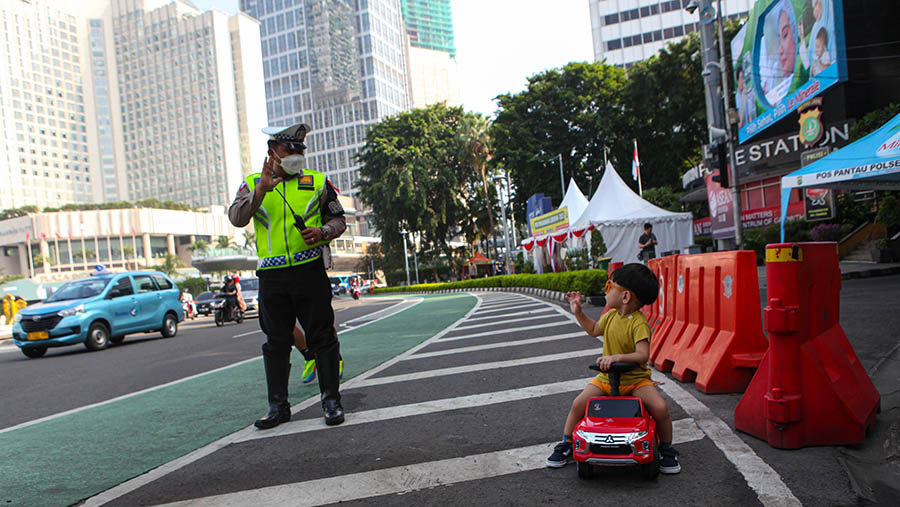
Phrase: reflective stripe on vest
(279, 243)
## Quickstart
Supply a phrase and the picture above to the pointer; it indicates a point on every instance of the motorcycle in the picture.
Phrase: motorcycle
(354, 291)
(188, 308)
(222, 314)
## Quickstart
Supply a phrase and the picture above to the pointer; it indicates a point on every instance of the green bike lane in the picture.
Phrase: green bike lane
(67, 459)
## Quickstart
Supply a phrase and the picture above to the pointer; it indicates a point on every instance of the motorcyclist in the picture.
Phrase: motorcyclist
(188, 299)
(230, 292)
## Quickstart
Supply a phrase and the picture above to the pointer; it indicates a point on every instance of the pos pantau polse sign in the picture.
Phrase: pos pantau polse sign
(550, 222)
(788, 52)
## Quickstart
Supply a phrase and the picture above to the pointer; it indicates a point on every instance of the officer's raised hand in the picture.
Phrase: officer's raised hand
(269, 178)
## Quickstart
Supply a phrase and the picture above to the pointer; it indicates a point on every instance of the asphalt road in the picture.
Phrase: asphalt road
(71, 377)
(457, 399)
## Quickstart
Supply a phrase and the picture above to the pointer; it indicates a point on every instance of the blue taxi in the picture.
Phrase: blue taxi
(98, 311)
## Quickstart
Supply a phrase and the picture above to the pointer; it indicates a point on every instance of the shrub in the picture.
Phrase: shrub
(889, 213)
(589, 282)
(826, 232)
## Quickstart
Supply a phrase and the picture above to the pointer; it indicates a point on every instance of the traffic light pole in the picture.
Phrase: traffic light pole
(732, 167)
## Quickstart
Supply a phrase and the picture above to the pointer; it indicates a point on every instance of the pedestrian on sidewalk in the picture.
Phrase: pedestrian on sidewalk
(647, 244)
(295, 213)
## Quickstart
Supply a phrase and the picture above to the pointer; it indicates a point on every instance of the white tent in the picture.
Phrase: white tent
(575, 201)
(619, 215)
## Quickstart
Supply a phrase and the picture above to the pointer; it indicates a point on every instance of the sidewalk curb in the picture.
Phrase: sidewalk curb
(869, 273)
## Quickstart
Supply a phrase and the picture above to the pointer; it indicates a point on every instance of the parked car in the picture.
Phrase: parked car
(204, 303)
(98, 311)
(250, 292)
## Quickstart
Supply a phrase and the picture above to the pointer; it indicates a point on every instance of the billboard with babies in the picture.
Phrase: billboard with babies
(788, 52)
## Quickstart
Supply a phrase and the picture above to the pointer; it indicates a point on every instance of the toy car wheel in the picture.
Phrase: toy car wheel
(97, 337)
(650, 471)
(169, 326)
(34, 352)
(585, 470)
(117, 339)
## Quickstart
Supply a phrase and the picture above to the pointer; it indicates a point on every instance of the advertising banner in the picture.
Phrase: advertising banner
(819, 204)
(720, 208)
(758, 217)
(550, 222)
(788, 52)
(536, 206)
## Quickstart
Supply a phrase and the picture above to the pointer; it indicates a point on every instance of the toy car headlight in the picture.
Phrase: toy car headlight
(71, 311)
(631, 437)
(18, 317)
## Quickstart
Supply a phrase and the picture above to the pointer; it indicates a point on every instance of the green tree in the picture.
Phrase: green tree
(249, 238)
(170, 264)
(575, 112)
(224, 242)
(872, 121)
(200, 246)
(413, 180)
(475, 153)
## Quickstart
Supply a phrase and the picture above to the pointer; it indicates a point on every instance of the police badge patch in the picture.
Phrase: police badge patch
(305, 182)
(335, 208)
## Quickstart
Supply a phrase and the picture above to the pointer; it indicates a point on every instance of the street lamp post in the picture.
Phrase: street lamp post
(562, 181)
(497, 181)
(405, 258)
(719, 125)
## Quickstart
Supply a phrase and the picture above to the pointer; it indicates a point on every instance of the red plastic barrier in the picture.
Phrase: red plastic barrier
(614, 266)
(664, 268)
(810, 388)
(711, 332)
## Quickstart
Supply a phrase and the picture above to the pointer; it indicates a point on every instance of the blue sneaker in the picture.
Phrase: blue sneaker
(668, 462)
(562, 455)
(309, 371)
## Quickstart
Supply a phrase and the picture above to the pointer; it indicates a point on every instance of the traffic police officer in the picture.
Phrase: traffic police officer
(295, 214)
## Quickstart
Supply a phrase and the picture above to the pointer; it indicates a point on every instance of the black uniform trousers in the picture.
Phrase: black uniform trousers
(285, 295)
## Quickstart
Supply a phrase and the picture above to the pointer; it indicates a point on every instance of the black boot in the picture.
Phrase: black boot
(329, 381)
(277, 372)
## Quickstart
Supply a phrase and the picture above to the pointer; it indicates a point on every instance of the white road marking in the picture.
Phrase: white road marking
(510, 330)
(492, 308)
(469, 368)
(527, 312)
(765, 481)
(167, 468)
(247, 333)
(489, 346)
(403, 479)
(426, 407)
(501, 322)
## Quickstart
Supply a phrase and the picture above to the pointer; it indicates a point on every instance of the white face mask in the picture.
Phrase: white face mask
(293, 164)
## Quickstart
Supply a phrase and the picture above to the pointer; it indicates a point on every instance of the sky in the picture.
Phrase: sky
(500, 43)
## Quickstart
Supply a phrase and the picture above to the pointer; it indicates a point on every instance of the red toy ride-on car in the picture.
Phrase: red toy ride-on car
(616, 431)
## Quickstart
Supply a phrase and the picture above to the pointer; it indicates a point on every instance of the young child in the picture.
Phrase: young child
(626, 338)
(823, 59)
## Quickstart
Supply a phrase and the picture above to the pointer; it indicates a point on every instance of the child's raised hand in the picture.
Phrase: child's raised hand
(574, 299)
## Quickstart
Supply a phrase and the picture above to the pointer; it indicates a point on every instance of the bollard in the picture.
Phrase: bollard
(810, 388)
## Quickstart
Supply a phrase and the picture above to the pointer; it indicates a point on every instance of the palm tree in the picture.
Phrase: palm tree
(170, 264)
(475, 152)
(224, 242)
(249, 238)
(199, 246)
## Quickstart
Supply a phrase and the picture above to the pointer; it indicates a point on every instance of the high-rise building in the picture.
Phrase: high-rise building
(628, 31)
(181, 94)
(433, 73)
(337, 65)
(429, 24)
(109, 100)
(45, 127)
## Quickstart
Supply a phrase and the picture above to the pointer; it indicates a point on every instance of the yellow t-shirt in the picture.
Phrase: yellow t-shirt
(620, 335)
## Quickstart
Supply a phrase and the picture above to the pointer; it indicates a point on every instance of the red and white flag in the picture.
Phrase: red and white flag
(636, 169)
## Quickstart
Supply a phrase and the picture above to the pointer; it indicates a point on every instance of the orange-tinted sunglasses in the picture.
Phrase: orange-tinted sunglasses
(610, 284)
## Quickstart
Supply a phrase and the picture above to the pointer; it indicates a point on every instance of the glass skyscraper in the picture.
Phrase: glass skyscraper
(429, 24)
(337, 65)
